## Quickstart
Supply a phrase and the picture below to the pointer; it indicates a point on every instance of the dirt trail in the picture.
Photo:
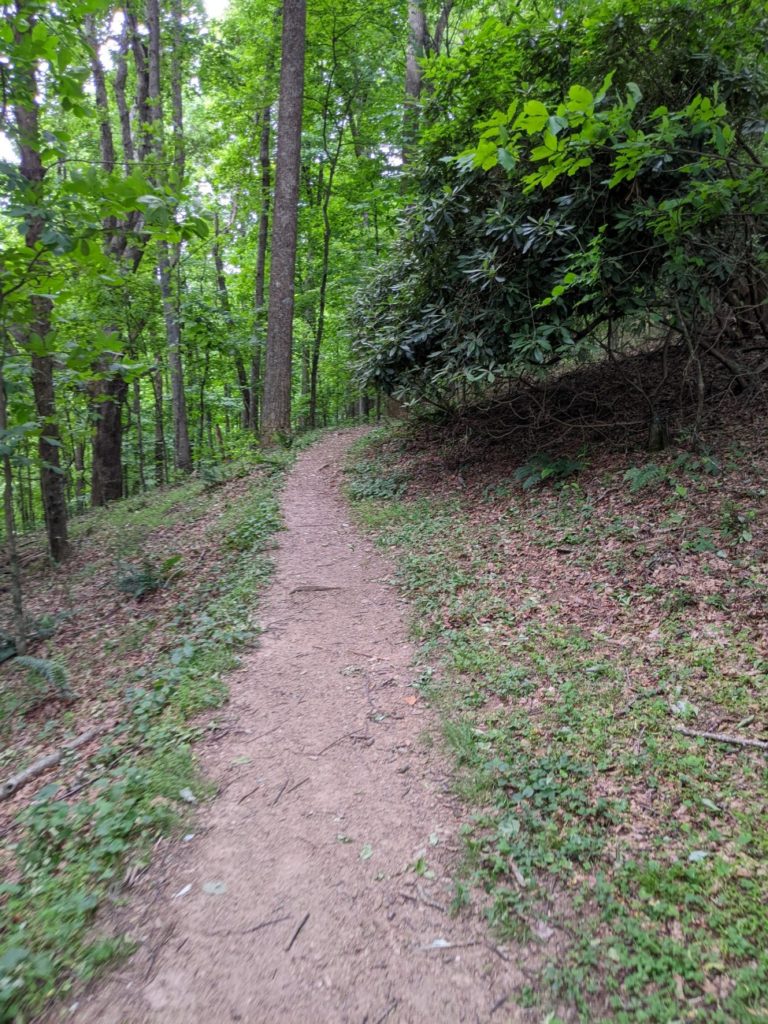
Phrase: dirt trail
(296, 900)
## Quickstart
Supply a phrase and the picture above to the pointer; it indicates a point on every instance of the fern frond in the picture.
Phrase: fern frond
(51, 672)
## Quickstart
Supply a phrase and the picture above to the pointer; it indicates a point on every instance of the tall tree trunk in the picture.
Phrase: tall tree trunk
(27, 116)
(139, 434)
(14, 572)
(418, 41)
(159, 446)
(277, 377)
(182, 453)
(79, 475)
(324, 268)
(109, 395)
(261, 265)
(221, 288)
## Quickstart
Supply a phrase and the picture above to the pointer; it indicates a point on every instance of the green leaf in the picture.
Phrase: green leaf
(533, 117)
(505, 158)
(12, 958)
(580, 98)
(635, 95)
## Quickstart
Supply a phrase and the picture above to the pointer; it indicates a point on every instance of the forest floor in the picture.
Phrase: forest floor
(487, 798)
(596, 622)
(318, 883)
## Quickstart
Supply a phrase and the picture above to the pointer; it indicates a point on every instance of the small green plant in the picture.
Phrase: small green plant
(736, 525)
(377, 487)
(145, 578)
(52, 673)
(541, 468)
(640, 477)
(702, 542)
(250, 532)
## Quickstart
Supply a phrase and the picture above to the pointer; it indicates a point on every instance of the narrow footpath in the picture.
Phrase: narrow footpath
(294, 897)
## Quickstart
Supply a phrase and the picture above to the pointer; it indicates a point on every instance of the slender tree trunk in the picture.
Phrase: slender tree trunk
(139, 434)
(27, 116)
(221, 288)
(27, 502)
(159, 447)
(261, 265)
(201, 400)
(320, 329)
(182, 453)
(14, 572)
(79, 455)
(325, 190)
(177, 109)
(418, 41)
(276, 417)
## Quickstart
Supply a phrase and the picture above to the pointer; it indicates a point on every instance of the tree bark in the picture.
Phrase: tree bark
(327, 192)
(109, 392)
(418, 42)
(182, 452)
(14, 572)
(221, 288)
(276, 417)
(27, 117)
(159, 446)
(139, 435)
(107, 398)
(261, 265)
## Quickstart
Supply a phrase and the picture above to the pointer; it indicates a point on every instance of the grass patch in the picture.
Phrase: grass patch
(564, 656)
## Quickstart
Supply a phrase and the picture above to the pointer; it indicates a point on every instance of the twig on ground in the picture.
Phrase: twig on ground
(267, 733)
(499, 1003)
(247, 931)
(296, 933)
(721, 737)
(392, 1006)
(301, 783)
(499, 952)
(42, 764)
(368, 740)
(156, 950)
(421, 898)
(448, 945)
(249, 793)
(280, 792)
(519, 876)
(311, 589)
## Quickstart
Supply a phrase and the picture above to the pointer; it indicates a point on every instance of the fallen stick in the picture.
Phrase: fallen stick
(254, 928)
(296, 933)
(42, 764)
(249, 793)
(293, 788)
(280, 792)
(721, 737)
(312, 589)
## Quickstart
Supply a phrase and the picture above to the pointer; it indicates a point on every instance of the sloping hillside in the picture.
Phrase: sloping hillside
(597, 618)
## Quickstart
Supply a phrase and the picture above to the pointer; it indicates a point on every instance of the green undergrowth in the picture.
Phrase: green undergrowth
(635, 858)
(75, 850)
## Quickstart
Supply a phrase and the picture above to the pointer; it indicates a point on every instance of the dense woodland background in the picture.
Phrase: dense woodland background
(486, 193)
